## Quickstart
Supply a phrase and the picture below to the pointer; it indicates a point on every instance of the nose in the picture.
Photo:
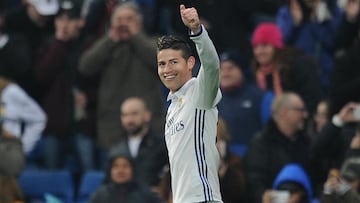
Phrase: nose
(167, 68)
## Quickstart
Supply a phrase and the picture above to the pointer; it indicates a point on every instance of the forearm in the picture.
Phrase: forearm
(31, 135)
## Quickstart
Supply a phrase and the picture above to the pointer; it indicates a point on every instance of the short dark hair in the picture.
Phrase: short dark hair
(176, 43)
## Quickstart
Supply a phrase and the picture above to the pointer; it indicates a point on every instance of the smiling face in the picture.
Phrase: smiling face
(173, 69)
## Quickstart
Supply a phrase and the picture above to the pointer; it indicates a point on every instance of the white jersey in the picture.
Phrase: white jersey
(190, 131)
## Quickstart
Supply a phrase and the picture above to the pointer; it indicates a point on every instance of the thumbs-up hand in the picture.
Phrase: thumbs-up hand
(190, 18)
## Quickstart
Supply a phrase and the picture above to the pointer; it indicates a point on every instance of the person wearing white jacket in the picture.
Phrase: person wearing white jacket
(20, 114)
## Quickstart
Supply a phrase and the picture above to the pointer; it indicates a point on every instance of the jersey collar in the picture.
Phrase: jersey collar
(176, 95)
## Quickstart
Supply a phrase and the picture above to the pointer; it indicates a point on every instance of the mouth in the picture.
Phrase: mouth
(169, 76)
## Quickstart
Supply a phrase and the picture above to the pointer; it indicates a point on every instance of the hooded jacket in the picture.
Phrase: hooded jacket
(294, 173)
(127, 192)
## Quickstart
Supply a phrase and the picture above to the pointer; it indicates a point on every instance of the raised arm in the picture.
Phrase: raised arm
(209, 73)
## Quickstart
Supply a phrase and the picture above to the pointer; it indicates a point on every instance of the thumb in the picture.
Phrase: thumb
(182, 8)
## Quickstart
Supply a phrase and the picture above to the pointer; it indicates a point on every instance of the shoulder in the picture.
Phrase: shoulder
(100, 195)
(13, 90)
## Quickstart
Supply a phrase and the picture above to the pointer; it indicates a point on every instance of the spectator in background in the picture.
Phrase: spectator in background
(345, 80)
(311, 27)
(280, 68)
(348, 32)
(120, 183)
(21, 116)
(281, 141)
(62, 85)
(344, 186)
(329, 146)
(147, 149)
(240, 105)
(231, 170)
(99, 12)
(22, 123)
(34, 21)
(293, 180)
(125, 59)
(321, 116)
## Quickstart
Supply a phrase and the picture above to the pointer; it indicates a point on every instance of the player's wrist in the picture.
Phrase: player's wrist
(196, 31)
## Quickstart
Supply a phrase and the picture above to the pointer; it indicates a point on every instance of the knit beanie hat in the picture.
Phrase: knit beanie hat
(234, 56)
(267, 33)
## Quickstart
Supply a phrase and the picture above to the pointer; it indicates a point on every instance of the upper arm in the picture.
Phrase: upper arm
(209, 73)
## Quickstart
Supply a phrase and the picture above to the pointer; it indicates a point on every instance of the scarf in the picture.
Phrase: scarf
(272, 71)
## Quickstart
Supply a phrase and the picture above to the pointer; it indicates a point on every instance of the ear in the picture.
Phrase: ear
(81, 22)
(191, 63)
(148, 116)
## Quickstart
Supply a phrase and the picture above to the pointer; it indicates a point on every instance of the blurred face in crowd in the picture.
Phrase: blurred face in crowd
(67, 28)
(264, 54)
(296, 113)
(121, 170)
(230, 74)
(125, 21)
(134, 116)
(173, 69)
(321, 115)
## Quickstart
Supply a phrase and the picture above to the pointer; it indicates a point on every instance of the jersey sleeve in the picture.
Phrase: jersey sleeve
(208, 78)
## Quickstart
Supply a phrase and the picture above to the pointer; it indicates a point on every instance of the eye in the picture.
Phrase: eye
(173, 62)
(161, 64)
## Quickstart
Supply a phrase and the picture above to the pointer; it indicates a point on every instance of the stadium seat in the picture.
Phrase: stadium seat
(90, 181)
(37, 183)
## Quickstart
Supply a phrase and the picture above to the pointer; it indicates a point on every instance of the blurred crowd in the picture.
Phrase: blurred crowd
(79, 90)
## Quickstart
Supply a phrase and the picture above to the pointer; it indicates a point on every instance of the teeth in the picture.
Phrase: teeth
(169, 76)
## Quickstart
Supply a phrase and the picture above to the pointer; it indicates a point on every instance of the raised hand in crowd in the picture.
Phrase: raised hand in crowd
(346, 114)
(296, 11)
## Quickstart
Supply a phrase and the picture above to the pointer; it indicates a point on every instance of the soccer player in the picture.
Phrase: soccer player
(191, 121)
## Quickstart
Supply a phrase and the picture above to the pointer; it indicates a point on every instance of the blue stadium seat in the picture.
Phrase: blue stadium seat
(90, 181)
(36, 183)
